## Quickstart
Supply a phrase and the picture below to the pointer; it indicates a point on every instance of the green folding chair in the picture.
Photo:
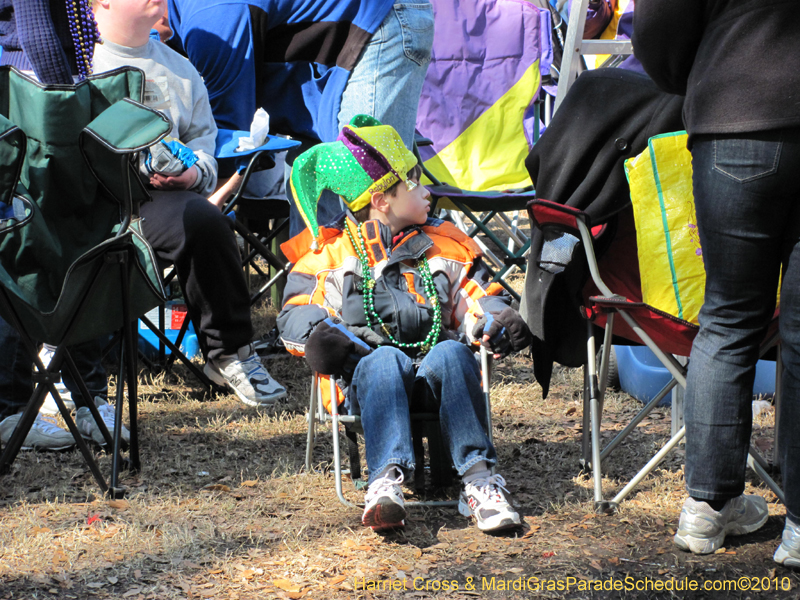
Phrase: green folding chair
(73, 263)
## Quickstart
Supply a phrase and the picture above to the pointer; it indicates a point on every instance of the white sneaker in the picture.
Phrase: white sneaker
(385, 507)
(702, 529)
(49, 406)
(788, 553)
(88, 427)
(484, 498)
(44, 434)
(244, 374)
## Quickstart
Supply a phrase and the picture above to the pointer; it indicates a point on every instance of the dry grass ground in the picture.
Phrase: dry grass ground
(224, 508)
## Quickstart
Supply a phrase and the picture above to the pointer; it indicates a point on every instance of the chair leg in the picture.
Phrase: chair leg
(439, 456)
(196, 371)
(594, 400)
(312, 423)
(337, 456)
(417, 433)
(353, 453)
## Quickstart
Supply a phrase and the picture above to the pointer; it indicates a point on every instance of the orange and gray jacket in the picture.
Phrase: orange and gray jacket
(326, 282)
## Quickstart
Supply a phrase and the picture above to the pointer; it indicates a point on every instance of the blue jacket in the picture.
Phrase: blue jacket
(291, 57)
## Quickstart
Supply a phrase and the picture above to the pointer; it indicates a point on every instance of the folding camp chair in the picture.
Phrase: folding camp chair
(268, 217)
(422, 425)
(665, 334)
(479, 115)
(73, 265)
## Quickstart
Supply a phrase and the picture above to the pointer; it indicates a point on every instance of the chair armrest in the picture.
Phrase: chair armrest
(546, 212)
(110, 142)
(128, 126)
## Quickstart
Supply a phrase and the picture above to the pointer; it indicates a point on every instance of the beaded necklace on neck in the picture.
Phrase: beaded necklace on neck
(85, 34)
(369, 296)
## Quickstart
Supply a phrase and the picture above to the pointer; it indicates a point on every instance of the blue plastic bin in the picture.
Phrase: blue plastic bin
(174, 315)
(642, 376)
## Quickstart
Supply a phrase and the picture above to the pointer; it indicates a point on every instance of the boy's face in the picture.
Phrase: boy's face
(408, 207)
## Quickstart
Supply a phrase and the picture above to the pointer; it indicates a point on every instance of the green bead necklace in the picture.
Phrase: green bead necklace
(369, 296)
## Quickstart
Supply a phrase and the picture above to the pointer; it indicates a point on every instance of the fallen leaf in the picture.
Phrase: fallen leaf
(571, 411)
(548, 554)
(38, 530)
(417, 552)
(286, 585)
(614, 560)
(119, 504)
(250, 483)
(473, 547)
(216, 487)
(596, 565)
(112, 580)
(336, 580)
(720, 551)
(131, 592)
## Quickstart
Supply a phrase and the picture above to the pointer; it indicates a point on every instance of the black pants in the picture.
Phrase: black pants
(187, 230)
(16, 385)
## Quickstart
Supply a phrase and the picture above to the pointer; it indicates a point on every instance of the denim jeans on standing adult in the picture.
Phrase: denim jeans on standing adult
(747, 199)
(386, 83)
(381, 392)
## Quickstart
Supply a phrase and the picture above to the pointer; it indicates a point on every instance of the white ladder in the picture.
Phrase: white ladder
(575, 46)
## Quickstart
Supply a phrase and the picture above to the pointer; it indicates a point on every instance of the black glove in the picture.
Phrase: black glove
(507, 332)
(333, 350)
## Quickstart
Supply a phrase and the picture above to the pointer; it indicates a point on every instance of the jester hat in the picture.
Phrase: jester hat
(366, 158)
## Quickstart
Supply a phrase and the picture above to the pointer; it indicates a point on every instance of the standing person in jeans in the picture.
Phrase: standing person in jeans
(734, 60)
(311, 64)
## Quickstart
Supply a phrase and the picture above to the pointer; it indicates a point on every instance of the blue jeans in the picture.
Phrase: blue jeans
(747, 198)
(386, 83)
(449, 379)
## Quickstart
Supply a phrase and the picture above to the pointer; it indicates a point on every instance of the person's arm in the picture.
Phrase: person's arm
(201, 137)
(218, 42)
(300, 315)
(226, 191)
(666, 35)
(38, 38)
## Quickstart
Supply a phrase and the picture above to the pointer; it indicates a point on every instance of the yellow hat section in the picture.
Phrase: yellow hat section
(489, 155)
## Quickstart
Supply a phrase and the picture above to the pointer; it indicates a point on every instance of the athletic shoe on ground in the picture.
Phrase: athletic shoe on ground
(49, 406)
(244, 374)
(484, 498)
(384, 503)
(88, 427)
(788, 553)
(45, 434)
(702, 529)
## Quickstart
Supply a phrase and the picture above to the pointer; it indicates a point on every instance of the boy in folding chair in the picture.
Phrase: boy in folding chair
(388, 298)
(180, 223)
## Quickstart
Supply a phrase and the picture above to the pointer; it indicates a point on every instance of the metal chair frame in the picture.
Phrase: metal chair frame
(318, 415)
